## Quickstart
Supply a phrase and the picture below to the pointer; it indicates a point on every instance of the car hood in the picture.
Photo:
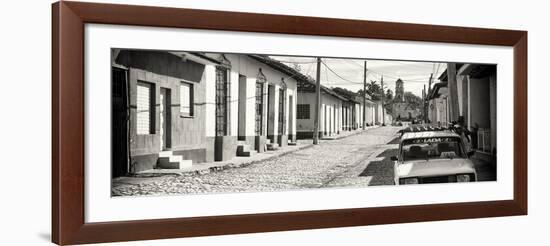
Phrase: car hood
(439, 167)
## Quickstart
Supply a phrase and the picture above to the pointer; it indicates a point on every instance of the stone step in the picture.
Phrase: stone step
(165, 163)
(243, 148)
(166, 153)
(272, 146)
(248, 153)
(167, 160)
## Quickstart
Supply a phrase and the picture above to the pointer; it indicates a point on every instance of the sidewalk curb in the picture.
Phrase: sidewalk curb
(227, 166)
(222, 167)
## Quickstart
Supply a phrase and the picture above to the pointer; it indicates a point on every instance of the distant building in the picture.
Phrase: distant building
(401, 109)
(335, 114)
(438, 112)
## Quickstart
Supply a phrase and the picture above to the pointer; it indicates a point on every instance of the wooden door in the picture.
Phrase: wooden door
(165, 119)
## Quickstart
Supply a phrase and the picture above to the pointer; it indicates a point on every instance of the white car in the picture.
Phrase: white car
(435, 156)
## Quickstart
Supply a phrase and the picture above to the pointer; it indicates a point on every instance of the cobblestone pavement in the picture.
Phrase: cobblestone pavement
(356, 161)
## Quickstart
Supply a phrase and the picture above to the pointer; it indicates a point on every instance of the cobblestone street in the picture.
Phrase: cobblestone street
(358, 161)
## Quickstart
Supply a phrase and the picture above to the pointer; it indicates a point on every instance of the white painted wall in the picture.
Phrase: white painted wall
(210, 100)
(244, 65)
(291, 105)
(250, 106)
(306, 125)
(234, 103)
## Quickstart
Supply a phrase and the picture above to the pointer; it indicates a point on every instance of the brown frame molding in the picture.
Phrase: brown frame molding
(68, 19)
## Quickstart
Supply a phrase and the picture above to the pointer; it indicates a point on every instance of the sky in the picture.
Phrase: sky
(348, 73)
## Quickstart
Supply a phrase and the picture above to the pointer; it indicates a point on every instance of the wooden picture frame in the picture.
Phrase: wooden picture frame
(68, 122)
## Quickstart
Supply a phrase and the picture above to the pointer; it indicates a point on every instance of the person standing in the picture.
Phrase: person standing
(464, 133)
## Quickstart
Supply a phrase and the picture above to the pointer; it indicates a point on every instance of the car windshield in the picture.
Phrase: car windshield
(432, 148)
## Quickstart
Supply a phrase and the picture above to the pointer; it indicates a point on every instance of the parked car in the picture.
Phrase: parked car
(432, 156)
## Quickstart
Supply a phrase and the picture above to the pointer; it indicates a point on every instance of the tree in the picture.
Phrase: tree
(413, 99)
(389, 95)
(374, 90)
(388, 101)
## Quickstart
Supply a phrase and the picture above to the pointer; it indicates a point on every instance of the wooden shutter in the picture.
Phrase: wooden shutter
(144, 105)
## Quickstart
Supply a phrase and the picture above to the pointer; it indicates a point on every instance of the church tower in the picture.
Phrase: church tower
(399, 91)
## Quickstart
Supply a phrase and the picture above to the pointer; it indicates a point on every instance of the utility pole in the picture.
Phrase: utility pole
(364, 95)
(427, 93)
(383, 99)
(317, 103)
(453, 94)
(424, 103)
(430, 83)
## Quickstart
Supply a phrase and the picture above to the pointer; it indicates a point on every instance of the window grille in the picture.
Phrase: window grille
(303, 112)
(221, 101)
(281, 112)
(259, 107)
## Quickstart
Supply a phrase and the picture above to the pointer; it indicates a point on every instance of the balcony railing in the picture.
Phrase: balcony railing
(484, 140)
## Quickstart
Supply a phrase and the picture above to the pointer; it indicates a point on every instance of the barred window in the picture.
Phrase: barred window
(186, 99)
(221, 101)
(303, 111)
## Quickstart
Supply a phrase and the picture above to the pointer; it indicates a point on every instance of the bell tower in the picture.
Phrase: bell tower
(399, 91)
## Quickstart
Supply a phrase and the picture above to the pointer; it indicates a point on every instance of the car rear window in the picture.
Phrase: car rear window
(432, 148)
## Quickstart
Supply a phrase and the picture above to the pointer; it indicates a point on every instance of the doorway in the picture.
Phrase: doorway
(270, 112)
(241, 121)
(291, 117)
(119, 121)
(165, 119)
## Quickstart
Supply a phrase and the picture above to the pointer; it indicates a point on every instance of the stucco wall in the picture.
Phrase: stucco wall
(250, 68)
(168, 71)
(330, 115)
(187, 132)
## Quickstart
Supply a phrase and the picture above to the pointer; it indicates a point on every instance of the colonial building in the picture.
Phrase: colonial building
(370, 116)
(370, 112)
(176, 109)
(476, 94)
(401, 109)
(438, 104)
(260, 105)
(381, 116)
(352, 109)
(476, 89)
(337, 112)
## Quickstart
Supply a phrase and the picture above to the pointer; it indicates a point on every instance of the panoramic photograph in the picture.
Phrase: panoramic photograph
(190, 122)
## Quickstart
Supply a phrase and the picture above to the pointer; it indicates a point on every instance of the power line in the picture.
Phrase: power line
(423, 79)
(337, 75)
(437, 71)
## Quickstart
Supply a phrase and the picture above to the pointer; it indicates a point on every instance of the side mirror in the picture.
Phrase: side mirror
(393, 158)
(471, 153)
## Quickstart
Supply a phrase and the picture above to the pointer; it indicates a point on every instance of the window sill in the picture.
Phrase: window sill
(187, 116)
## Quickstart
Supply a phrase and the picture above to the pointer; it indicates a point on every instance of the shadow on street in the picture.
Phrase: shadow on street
(394, 141)
(381, 171)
